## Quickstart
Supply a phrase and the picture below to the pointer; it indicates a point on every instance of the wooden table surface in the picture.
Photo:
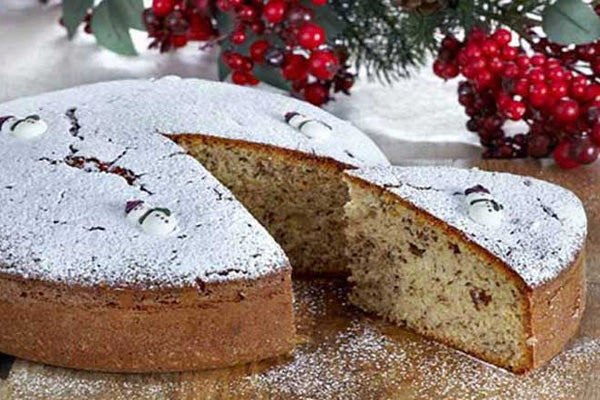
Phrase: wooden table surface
(345, 354)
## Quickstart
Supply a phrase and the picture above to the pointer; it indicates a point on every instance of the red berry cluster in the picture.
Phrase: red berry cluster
(303, 57)
(560, 104)
(172, 23)
(313, 68)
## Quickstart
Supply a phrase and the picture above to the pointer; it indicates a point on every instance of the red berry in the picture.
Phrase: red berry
(274, 11)
(584, 151)
(538, 146)
(450, 43)
(162, 7)
(462, 58)
(295, 67)
(311, 36)
(509, 53)
(557, 74)
(586, 52)
(536, 75)
(473, 51)
(538, 94)
(523, 61)
(247, 13)
(515, 110)
(566, 110)
(511, 70)
(223, 5)
(538, 60)
(468, 71)
(237, 62)
(483, 79)
(562, 156)
(502, 37)
(258, 50)
(490, 48)
(201, 27)
(579, 91)
(451, 71)
(521, 87)
(238, 37)
(252, 80)
(504, 101)
(439, 67)
(344, 82)
(593, 92)
(299, 15)
(316, 94)
(478, 63)
(558, 90)
(580, 80)
(178, 40)
(239, 78)
(496, 65)
(319, 2)
(323, 64)
(257, 26)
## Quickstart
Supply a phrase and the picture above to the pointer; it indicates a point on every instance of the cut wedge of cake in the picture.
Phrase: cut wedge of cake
(489, 263)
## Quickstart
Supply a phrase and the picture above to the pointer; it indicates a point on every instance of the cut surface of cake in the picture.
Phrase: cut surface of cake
(120, 252)
(489, 263)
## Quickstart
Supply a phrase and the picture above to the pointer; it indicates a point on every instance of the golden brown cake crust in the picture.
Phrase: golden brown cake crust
(137, 330)
(555, 308)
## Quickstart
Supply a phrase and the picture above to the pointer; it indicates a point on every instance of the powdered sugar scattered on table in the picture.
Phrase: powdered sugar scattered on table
(67, 224)
(544, 224)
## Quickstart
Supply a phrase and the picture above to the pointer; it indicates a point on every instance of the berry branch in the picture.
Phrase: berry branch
(546, 89)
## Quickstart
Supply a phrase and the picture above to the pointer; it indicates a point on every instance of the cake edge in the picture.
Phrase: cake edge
(212, 325)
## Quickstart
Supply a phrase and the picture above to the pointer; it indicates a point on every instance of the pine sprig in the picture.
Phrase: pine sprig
(389, 41)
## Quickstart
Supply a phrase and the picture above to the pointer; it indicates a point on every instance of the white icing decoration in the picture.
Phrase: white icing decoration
(483, 208)
(155, 221)
(159, 222)
(486, 213)
(311, 128)
(26, 128)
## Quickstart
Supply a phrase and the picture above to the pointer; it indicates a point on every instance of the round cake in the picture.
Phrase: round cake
(154, 226)
(120, 252)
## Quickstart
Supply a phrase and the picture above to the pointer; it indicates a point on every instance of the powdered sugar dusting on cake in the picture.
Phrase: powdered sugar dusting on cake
(64, 193)
(544, 226)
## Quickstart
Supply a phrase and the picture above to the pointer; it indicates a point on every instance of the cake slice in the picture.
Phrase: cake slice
(489, 263)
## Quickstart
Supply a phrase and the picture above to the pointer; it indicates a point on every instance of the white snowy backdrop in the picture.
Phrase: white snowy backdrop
(415, 118)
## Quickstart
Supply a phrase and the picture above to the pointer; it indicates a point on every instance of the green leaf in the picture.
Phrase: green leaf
(73, 13)
(224, 70)
(132, 11)
(571, 22)
(329, 21)
(111, 28)
(225, 23)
